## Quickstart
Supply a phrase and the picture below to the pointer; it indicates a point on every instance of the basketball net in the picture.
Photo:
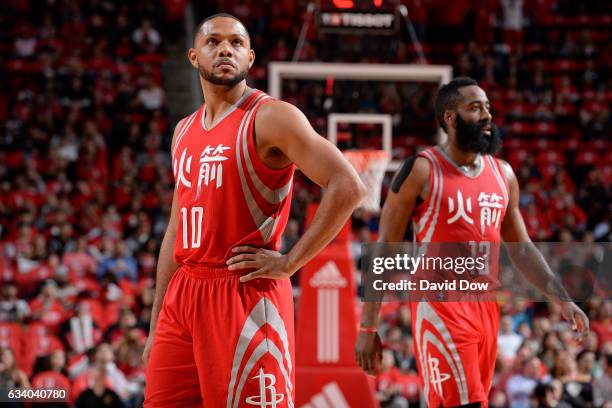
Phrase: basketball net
(371, 166)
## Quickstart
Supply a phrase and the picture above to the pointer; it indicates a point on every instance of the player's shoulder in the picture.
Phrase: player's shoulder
(506, 168)
(277, 118)
(186, 120)
(183, 123)
(415, 168)
(275, 110)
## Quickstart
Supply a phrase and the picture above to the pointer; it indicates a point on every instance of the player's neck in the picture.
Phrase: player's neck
(219, 98)
(460, 157)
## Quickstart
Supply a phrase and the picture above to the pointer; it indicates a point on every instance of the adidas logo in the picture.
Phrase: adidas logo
(328, 276)
(330, 397)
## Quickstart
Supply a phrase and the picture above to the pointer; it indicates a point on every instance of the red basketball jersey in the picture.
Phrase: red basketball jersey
(459, 207)
(226, 195)
(456, 341)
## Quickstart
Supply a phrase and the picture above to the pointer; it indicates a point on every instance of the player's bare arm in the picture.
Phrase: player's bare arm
(396, 214)
(284, 136)
(166, 266)
(532, 264)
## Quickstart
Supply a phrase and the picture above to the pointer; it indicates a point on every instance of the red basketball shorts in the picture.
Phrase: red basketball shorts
(456, 347)
(222, 343)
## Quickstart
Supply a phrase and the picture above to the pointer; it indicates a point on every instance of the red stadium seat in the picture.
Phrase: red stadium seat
(550, 157)
(586, 158)
(517, 157)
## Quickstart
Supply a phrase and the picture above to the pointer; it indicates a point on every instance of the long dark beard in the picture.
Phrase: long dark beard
(217, 80)
(471, 137)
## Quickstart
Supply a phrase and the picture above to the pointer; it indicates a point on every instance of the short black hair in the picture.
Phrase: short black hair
(207, 19)
(541, 389)
(448, 97)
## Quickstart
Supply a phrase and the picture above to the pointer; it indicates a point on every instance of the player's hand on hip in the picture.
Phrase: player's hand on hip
(267, 264)
(578, 319)
(368, 352)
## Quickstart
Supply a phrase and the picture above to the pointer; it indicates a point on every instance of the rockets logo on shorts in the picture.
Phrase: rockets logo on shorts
(432, 333)
(262, 400)
(266, 314)
(436, 378)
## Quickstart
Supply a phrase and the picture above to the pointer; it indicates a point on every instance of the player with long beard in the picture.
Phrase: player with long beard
(456, 342)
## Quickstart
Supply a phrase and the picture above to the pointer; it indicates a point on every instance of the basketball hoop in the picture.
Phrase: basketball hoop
(371, 166)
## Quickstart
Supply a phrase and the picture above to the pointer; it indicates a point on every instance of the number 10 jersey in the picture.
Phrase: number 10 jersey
(226, 195)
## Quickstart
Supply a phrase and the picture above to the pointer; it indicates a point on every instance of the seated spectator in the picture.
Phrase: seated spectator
(10, 375)
(105, 357)
(25, 44)
(508, 341)
(146, 36)
(80, 262)
(81, 332)
(54, 373)
(585, 363)
(47, 308)
(121, 264)
(545, 397)
(12, 309)
(129, 348)
(520, 386)
(127, 322)
(550, 346)
(388, 391)
(602, 325)
(498, 400)
(151, 97)
(405, 359)
(98, 394)
(602, 386)
(577, 388)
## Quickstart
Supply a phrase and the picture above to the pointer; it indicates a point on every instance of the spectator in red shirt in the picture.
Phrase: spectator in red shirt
(47, 308)
(602, 325)
(53, 374)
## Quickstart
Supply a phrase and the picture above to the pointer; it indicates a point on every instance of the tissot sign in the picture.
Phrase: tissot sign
(357, 16)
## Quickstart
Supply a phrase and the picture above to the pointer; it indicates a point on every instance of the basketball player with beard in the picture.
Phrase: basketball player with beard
(222, 320)
(443, 191)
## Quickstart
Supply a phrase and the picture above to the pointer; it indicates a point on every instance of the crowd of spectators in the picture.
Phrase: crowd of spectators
(86, 183)
(85, 187)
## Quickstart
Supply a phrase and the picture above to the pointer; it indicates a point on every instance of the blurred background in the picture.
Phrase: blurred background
(92, 91)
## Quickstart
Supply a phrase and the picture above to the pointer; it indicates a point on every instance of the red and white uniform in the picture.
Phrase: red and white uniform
(219, 342)
(456, 342)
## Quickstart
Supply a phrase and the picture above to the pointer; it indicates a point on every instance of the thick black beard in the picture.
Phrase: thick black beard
(471, 137)
(217, 80)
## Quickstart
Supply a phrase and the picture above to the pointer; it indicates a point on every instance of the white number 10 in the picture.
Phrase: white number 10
(197, 213)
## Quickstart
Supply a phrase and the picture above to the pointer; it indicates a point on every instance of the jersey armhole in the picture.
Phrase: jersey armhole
(422, 204)
(404, 172)
(502, 171)
(180, 129)
(252, 146)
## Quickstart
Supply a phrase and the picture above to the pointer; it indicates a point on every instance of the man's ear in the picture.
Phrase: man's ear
(450, 119)
(251, 58)
(192, 57)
